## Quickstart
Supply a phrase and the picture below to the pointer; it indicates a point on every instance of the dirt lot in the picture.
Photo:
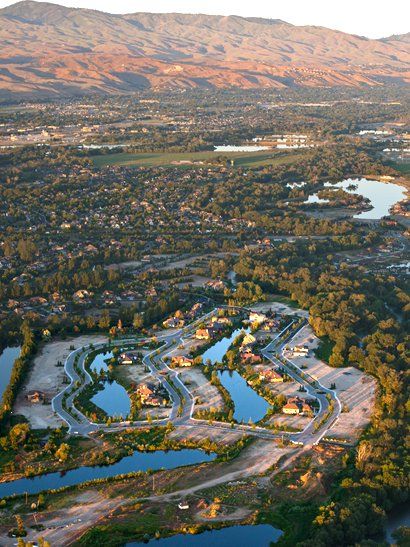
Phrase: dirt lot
(194, 281)
(84, 511)
(47, 377)
(297, 423)
(355, 389)
(205, 394)
(196, 433)
(191, 259)
(278, 307)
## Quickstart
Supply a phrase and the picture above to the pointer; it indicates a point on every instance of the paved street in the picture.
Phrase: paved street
(182, 399)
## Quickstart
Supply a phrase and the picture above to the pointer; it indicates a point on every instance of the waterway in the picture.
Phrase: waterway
(139, 461)
(261, 535)
(7, 358)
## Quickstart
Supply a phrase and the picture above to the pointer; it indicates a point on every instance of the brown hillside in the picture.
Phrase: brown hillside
(49, 49)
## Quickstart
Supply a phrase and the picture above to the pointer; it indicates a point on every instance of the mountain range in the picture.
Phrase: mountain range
(49, 50)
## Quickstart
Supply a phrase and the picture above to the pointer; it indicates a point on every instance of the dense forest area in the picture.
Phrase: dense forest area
(366, 318)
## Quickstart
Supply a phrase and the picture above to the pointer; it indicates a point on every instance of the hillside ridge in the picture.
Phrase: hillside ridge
(52, 50)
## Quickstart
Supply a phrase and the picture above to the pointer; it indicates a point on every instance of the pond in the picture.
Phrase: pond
(261, 535)
(244, 148)
(139, 461)
(7, 358)
(99, 362)
(382, 195)
(113, 399)
(216, 352)
(248, 404)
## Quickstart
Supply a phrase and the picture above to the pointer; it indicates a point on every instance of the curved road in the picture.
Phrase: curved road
(181, 397)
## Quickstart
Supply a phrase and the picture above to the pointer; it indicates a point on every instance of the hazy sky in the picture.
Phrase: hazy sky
(373, 18)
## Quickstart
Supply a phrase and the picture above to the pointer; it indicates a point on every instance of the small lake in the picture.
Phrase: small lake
(216, 352)
(248, 404)
(139, 461)
(98, 364)
(7, 358)
(244, 148)
(382, 196)
(247, 535)
(113, 399)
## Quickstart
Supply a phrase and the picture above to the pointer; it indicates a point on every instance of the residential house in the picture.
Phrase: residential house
(250, 358)
(291, 408)
(248, 341)
(173, 322)
(271, 376)
(203, 334)
(215, 320)
(127, 358)
(36, 397)
(215, 285)
(152, 395)
(255, 317)
(295, 405)
(182, 361)
(145, 391)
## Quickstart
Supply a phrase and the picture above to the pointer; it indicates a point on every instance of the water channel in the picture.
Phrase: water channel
(261, 535)
(139, 461)
(7, 358)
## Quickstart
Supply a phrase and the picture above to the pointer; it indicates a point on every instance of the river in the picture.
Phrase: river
(261, 535)
(7, 358)
(138, 461)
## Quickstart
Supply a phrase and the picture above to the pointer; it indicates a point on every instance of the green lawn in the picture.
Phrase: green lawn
(170, 159)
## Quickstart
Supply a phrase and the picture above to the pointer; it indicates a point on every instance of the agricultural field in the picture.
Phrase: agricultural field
(196, 159)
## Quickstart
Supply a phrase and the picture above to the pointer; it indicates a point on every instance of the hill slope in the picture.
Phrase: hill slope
(50, 49)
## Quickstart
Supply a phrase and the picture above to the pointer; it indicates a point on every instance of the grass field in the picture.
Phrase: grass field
(169, 159)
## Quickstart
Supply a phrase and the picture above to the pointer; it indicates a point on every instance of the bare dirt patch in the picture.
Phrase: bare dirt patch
(205, 395)
(278, 307)
(47, 377)
(197, 433)
(355, 389)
